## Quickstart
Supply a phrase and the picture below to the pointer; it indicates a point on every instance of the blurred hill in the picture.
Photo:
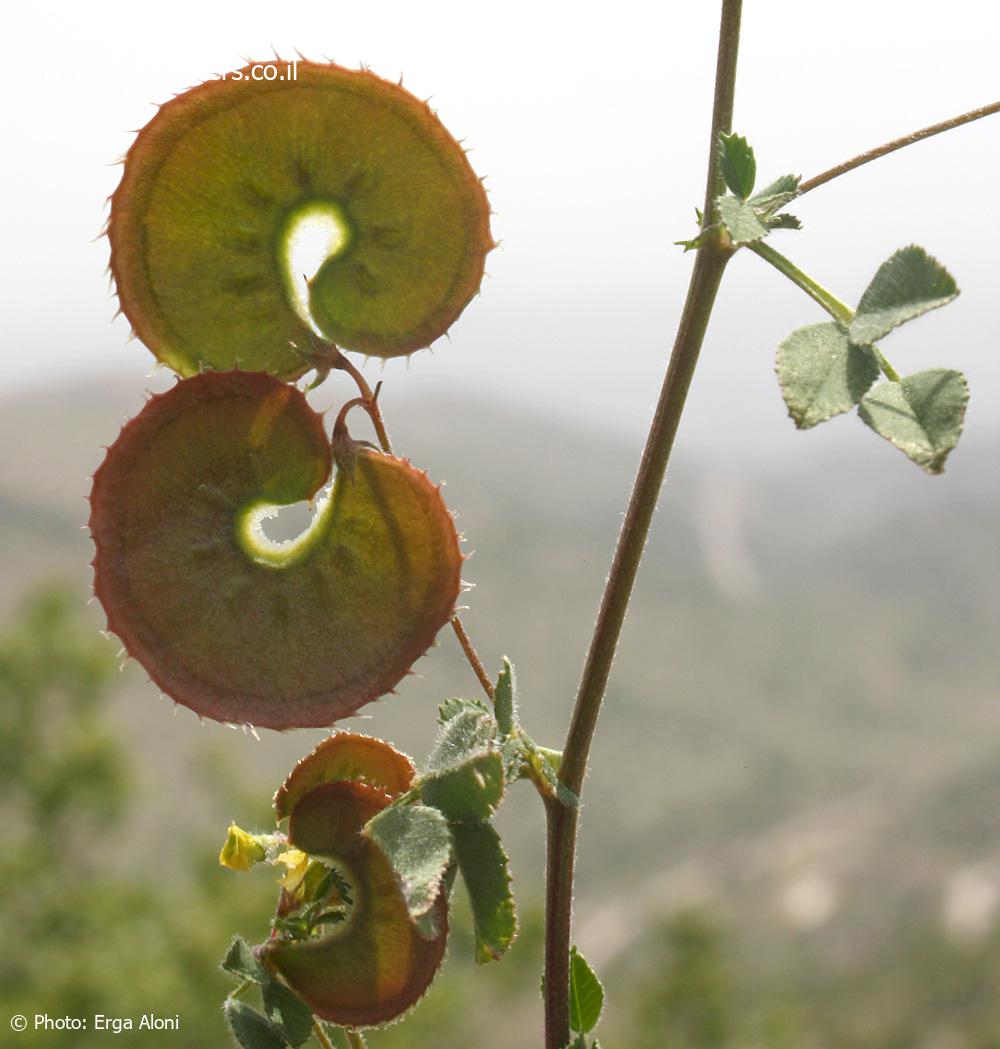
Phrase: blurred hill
(803, 725)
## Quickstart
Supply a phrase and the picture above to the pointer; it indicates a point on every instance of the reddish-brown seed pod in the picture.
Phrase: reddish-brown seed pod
(345, 755)
(218, 186)
(375, 965)
(237, 627)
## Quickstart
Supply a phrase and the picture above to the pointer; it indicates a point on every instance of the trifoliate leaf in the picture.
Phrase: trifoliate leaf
(908, 284)
(471, 790)
(504, 699)
(586, 995)
(740, 219)
(417, 843)
(483, 865)
(922, 415)
(241, 962)
(250, 1028)
(822, 374)
(288, 1010)
(739, 168)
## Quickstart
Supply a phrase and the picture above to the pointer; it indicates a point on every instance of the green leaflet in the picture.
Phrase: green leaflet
(417, 843)
(783, 190)
(483, 865)
(586, 995)
(294, 1017)
(505, 699)
(218, 184)
(465, 770)
(922, 415)
(471, 790)
(739, 168)
(906, 285)
(741, 220)
(822, 374)
(251, 1029)
(240, 961)
(241, 629)
(451, 708)
(468, 734)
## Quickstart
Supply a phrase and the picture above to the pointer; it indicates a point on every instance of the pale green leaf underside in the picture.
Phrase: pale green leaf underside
(741, 220)
(586, 995)
(483, 865)
(822, 374)
(777, 194)
(908, 284)
(417, 843)
(922, 415)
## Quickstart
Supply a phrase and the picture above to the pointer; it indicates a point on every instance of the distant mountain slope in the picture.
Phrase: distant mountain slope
(810, 660)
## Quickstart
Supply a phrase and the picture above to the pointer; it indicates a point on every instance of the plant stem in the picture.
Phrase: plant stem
(321, 1036)
(709, 266)
(473, 657)
(839, 311)
(370, 401)
(897, 143)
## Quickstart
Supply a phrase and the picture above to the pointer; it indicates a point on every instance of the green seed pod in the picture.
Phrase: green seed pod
(221, 181)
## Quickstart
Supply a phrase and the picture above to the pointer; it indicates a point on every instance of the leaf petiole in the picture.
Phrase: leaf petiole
(839, 311)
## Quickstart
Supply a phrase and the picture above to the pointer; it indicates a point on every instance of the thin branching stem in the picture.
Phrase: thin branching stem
(473, 657)
(321, 1036)
(710, 263)
(369, 399)
(897, 143)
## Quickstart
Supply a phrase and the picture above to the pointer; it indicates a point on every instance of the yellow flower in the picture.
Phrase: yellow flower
(297, 862)
(241, 850)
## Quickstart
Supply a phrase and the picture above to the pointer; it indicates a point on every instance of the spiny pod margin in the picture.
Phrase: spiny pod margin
(216, 183)
(376, 965)
(236, 627)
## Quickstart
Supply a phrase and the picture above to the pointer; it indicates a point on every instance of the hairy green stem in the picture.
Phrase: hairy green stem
(839, 311)
(709, 266)
(897, 143)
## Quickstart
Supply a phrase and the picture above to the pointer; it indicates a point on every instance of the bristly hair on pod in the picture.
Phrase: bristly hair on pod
(287, 635)
(438, 212)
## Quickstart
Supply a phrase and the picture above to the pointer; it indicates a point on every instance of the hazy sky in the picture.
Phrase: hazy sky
(591, 122)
